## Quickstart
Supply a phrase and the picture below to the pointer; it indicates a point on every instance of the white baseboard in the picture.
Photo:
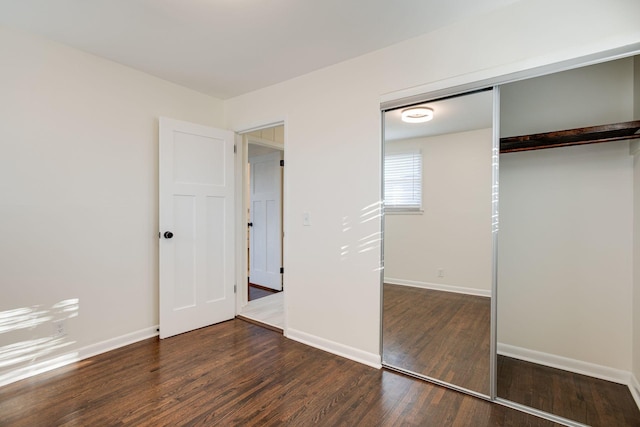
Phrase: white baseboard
(634, 387)
(565, 363)
(439, 287)
(74, 355)
(366, 358)
(121, 341)
(38, 368)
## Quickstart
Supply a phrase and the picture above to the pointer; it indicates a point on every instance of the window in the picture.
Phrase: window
(403, 182)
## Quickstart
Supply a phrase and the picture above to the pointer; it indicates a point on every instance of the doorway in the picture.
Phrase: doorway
(263, 195)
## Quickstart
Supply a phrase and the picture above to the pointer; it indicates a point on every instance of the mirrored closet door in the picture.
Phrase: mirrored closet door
(548, 322)
(438, 250)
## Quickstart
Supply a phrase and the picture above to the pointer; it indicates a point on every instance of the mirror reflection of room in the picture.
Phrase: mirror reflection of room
(567, 341)
(438, 242)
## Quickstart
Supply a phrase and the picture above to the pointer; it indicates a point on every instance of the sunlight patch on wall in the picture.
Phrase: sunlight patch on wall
(370, 242)
(33, 338)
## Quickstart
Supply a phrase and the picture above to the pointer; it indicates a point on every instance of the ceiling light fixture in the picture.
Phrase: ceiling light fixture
(417, 115)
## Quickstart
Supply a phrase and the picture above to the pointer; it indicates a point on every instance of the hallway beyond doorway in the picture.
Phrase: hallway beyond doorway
(267, 311)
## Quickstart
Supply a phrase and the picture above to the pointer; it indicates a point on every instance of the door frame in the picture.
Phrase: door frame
(242, 196)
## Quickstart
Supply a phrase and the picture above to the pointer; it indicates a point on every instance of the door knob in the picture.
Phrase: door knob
(250, 224)
(168, 234)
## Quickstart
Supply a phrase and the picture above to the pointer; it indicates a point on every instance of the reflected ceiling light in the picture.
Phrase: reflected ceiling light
(417, 115)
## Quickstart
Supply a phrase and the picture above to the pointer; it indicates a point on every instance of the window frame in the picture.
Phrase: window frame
(406, 208)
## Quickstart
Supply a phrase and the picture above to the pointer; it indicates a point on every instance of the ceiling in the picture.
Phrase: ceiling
(451, 115)
(225, 48)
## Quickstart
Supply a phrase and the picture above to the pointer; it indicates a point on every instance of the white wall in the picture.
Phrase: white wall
(595, 95)
(78, 189)
(565, 252)
(333, 145)
(454, 231)
(565, 258)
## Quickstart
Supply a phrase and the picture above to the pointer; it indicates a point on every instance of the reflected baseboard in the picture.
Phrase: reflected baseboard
(572, 365)
(439, 287)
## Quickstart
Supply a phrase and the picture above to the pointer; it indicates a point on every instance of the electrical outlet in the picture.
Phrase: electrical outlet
(59, 329)
(440, 272)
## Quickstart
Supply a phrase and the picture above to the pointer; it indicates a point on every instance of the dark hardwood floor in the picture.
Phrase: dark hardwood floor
(257, 292)
(588, 400)
(238, 374)
(446, 336)
(443, 335)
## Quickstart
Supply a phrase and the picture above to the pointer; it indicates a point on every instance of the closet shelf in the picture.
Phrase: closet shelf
(565, 138)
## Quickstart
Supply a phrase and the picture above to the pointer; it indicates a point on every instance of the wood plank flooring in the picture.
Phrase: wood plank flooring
(422, 330)
(588, 400)
(257, 291)
(268, 310)
(238, 374)
(443, 335)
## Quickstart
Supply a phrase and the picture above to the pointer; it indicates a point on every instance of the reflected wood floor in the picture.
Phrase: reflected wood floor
(238, 374)
(421, 334)
(588, 400)
(440, 334)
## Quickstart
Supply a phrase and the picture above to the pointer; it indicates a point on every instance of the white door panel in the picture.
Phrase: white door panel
(266, 216)
(196, 206)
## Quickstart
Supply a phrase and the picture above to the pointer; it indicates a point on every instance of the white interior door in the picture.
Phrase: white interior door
(196, 226)
(265, 233)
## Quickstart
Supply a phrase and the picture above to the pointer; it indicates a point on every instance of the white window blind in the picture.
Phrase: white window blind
(403, 181)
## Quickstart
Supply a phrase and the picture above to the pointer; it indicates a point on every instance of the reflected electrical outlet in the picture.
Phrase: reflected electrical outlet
(59, 329)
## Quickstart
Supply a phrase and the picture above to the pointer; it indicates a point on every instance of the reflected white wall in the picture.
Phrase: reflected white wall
(452, 236)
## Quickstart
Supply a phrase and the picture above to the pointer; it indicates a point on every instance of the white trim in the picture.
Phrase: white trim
(634, 388)
(242, 245)
(250, 129)
(366, 358)
(439, 287)
(76, 355)
(521, 70)
(117, 342)
(38, 368)
(242, 186)
(572, 365)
